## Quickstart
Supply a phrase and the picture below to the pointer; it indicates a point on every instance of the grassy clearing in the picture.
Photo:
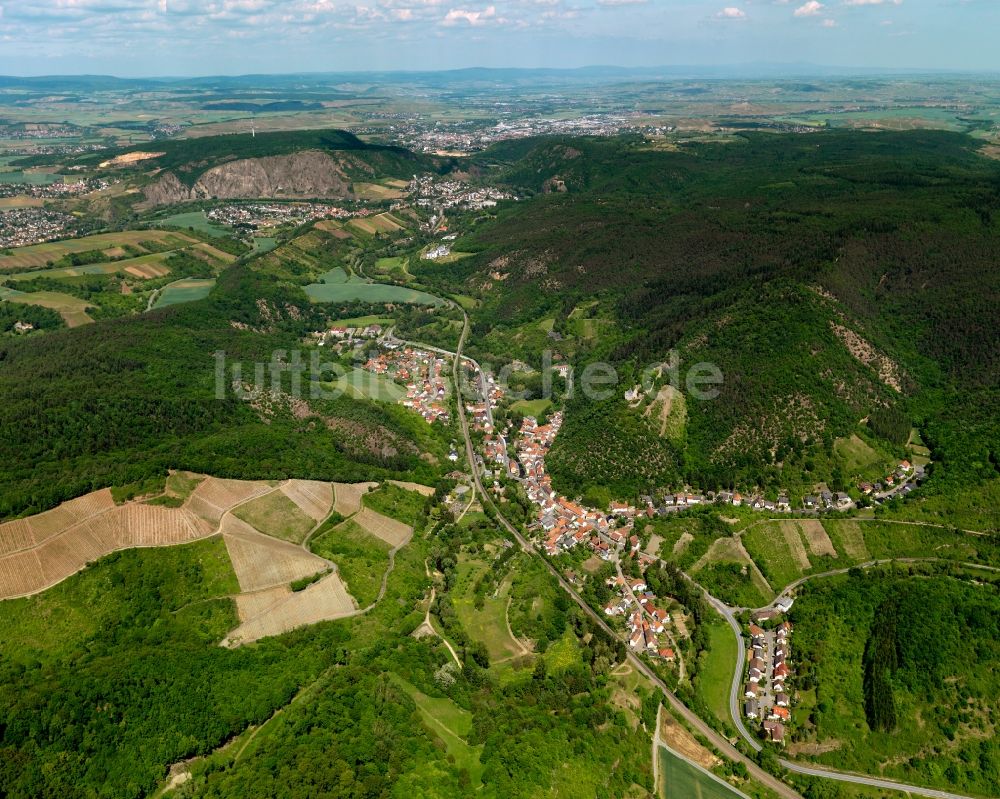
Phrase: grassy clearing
(767, 546)
(337, 286)
(859, 458)
(562, 654)
(451, 724)
(198, 221)
(487, 624)
(72, 309)
(184, 290)
(361, 558)
(397, 503)
(534, 407)
(276, 515)
(715, 669)
(680, 780)
(75, 610)
(362, 384)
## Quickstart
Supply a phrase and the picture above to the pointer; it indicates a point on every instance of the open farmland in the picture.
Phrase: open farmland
(376, 191)
(324, 600)
(64, 540)
(768, 544)
(817, 539)
(381, 223)
(215, 495)
(348, 496)
(72, 309)
(314, 498)
(275, 514)
(186, 289)
(263, 562)
(682, 780)
(848, 538)
(39, 255)
(394, 533)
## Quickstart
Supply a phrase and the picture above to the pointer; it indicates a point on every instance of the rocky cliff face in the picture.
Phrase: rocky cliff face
(309, 174)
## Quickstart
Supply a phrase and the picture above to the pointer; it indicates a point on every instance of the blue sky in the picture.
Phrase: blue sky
(198, 37)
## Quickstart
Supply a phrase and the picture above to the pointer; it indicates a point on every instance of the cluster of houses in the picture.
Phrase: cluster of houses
(765, 695)
(343, 333)
(902, 480)
(646, 623)
(21, 227)
(256, 215)
(424, 375)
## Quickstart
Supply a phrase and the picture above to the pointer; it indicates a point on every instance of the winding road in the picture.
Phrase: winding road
(721, 743)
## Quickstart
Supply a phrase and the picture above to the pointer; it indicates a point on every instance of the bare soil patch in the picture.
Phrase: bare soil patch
(389, 530)
(263, 562)
(819, 541)
(323, 601)
(313, 497)
(680, 740)
(348, 496)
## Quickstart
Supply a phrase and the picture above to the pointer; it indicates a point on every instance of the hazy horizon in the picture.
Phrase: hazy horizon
(186, 38)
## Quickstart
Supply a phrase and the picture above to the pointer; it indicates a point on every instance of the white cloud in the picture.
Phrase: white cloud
(810, 9)
(731, 12)
(475, 18)
(829, 23)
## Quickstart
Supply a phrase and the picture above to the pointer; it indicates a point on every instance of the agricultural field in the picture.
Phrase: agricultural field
(378, 224)
(778, 549)
(184, 290)
(347, 497)
(40, 551)
(377, 191)
(39, 255)
(681, 780)
(72, 309)
(262, 562)
(196, 220)
(313, 497)
(337, 286)
(397, 501)
(275, 514)
(324, 600)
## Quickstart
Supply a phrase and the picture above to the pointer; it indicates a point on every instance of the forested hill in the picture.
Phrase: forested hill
(121, 401)
(829, 275)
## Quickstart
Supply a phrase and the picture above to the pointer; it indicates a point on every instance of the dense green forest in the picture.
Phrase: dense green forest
(115, 674)
(118, 401)
(773, 257)
(897, 668)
